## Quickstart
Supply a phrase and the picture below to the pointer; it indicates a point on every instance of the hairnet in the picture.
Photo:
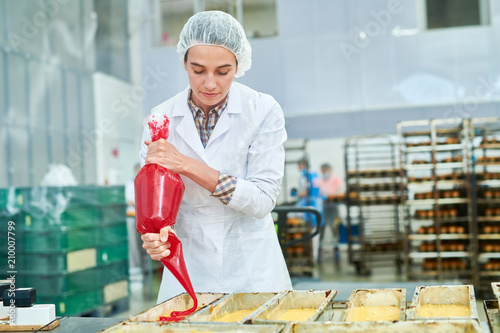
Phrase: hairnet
(217, 28)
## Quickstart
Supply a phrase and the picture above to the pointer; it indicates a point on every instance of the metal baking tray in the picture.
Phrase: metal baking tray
(177, 303)
(128, 327)
(321, 300)
(441, 326)
(493, 315)
(377, 297)
(230, 304)
(445, 294)
(338, 309)
(496, 290)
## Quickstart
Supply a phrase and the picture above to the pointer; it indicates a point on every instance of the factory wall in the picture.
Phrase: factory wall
(51, 101)
(342, 68)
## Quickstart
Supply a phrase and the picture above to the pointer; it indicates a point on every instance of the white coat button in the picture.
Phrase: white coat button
(215, 249)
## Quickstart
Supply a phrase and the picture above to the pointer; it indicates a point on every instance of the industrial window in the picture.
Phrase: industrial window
(258, 17)
(456, 13)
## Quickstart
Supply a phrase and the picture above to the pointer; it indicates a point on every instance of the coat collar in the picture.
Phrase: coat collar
(187, 128)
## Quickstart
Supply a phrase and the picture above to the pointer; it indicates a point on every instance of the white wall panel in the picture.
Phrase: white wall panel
(402, 73)
(16, 91)
(297, 19)
(163, 76)
(338, 79)
(118, 124)
(267, 70)
(378, 73)
(332, 18)
(40, 156)
(299, 78)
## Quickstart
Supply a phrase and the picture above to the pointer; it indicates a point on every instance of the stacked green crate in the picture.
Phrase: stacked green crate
(8, 210)
(71, 245)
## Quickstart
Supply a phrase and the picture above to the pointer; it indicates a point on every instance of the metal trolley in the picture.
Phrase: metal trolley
(295, 237)
(373, 194)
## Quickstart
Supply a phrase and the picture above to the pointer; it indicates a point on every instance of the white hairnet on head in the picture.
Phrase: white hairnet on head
(217, 28)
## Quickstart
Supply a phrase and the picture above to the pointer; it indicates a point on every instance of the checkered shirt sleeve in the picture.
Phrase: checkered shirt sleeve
(225, 188)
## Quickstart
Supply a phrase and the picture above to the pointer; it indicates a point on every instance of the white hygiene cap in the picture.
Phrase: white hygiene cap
(220, 29)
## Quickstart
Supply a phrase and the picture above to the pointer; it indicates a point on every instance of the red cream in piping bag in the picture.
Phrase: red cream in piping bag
(158, 196)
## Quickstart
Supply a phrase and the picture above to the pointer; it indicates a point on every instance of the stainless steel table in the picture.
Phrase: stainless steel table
(82, 325)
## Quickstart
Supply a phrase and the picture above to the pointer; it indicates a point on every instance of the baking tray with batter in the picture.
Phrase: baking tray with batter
(233, 308)
(420, 326)
(300, 305)
(376, 303)
(138, 327)
(496, 290)
(493, 315)
(442, 297)
(180, 302)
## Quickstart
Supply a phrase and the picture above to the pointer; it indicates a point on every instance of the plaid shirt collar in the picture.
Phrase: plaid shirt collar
(206, 126)
(195, 109)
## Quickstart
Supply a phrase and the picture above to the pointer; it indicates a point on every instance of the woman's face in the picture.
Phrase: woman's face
(211, 70)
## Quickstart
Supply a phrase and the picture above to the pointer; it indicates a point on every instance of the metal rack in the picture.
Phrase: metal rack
(295, 151)
(485, 136)
(439, 224)
(373, 203)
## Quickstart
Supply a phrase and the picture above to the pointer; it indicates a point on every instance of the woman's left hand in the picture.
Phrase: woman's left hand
(165, 154)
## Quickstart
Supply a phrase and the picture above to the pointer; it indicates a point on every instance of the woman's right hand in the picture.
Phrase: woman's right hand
(157, 245)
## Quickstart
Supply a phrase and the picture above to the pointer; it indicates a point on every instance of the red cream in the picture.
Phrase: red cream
(158, 196)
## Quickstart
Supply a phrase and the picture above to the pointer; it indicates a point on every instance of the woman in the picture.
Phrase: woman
(226, 142)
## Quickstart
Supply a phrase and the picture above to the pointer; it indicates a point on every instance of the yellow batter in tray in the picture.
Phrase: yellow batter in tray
(373, 313)
(442, 311)
(233, 317)
(297, 314)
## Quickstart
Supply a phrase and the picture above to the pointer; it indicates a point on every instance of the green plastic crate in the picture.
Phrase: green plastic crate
(112, 253)
(77, 217)
(81, 195)
(112, 213)
(57, 241)
(59, 262)
(110, 195)
(116, 291)
(114, 272)
(66, 262)
(73, 304)
(29, 198)
(113, 233)
(72, 196)
(58, 283)
(4, 197)
(80, 217)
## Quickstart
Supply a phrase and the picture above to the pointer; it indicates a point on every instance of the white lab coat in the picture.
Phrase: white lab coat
(234, 247)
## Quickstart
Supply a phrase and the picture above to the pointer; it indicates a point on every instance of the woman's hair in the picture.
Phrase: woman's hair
(219, 29)
(326, 166)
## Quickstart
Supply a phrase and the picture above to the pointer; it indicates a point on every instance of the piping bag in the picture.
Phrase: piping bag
(158, 196)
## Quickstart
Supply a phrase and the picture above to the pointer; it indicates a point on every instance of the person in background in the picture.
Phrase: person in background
(308, 195)
(330, 185)
(226, 143)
